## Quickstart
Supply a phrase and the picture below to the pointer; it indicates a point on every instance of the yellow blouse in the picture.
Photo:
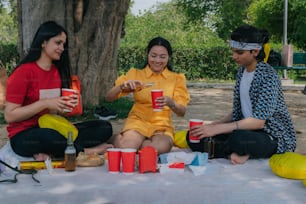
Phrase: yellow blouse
(142, 118)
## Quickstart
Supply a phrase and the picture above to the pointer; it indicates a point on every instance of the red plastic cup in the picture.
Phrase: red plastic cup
(155, 94)
(193, 122)
(68, 92)
(128, 156)
(114, 159)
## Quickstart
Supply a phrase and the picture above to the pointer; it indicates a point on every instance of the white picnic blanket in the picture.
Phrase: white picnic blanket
(222, 182)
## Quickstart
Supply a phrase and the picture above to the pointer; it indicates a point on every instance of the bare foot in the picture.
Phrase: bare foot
(100, 149)
(237, 159)
(41, 156)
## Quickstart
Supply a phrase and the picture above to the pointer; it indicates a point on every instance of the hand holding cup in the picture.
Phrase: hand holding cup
(194, 122)
(71, 98)
(156, 94)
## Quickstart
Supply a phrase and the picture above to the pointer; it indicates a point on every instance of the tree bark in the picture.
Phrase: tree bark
(94, 29)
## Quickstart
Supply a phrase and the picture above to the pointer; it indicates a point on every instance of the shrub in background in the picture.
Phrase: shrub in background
(210, 63)
(9, 56)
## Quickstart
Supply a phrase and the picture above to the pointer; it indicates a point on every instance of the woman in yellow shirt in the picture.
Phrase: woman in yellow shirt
(144, 127)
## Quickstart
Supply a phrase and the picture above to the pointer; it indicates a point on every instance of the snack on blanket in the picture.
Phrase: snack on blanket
(24, 165)
(289, 165)
(90, 160)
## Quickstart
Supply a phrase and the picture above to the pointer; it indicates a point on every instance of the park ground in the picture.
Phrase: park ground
(213, 101)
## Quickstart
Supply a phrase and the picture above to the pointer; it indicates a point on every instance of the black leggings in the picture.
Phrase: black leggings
(257, 144)
(44, 140)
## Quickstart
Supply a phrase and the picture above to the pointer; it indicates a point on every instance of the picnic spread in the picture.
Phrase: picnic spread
(182, 177)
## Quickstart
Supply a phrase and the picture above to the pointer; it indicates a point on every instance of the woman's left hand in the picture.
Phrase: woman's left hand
(203, 131)
(69, 102)
(178, 109)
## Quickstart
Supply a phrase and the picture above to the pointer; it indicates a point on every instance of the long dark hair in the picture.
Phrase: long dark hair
(46, 31)
(162, 42)
(250, 34)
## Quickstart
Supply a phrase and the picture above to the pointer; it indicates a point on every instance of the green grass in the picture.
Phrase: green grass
(300, 79)
(122, 106)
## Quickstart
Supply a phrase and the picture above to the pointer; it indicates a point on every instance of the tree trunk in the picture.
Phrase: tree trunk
(94, 28)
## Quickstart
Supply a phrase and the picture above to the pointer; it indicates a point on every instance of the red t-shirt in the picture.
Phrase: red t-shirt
(28, 84)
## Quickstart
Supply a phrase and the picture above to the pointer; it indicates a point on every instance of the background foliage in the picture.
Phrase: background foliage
(198, 31)
(167, 21)
(267, 14)
(196, 63)
(8, 21)
(8, 56)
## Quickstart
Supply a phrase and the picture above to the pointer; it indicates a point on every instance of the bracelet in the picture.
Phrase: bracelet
(237, 126)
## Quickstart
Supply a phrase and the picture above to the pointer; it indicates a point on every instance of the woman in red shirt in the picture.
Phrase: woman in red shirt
(34, 88)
